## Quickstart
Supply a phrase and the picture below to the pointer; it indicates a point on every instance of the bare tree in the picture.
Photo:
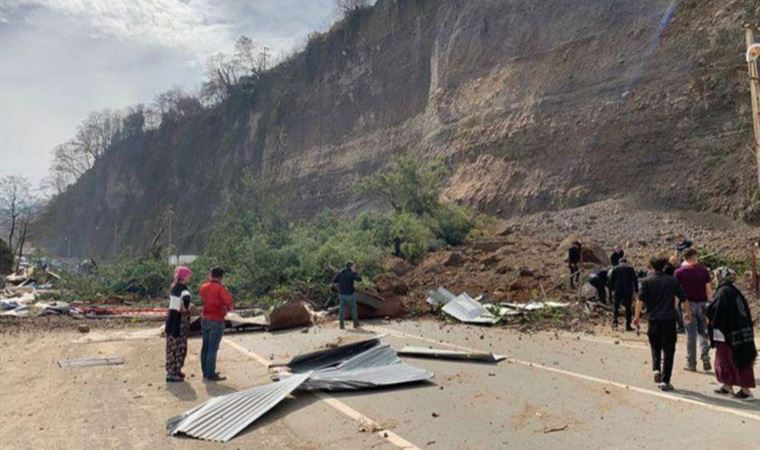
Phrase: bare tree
(15, 201)
(176, 103)
(348, 7)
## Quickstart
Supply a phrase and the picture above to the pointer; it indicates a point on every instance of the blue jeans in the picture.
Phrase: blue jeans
(212, 336)
(350, 301)
(697, 331)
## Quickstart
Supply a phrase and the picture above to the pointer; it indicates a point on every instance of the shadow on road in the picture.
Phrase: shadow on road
(183, 391)
(719, 401)
(214, 389)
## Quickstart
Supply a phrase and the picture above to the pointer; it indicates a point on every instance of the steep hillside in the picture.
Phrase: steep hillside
(533, 104)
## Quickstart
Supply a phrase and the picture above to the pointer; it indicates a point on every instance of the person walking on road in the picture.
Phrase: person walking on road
(574, 263)
(625, 284)
(347, 292)
(660, 294)
(695, 280)
(732, 333)
(616, 256)
(177, 327)
(217, 302)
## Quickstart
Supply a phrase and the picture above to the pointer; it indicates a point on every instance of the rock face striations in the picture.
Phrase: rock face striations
(532, 104)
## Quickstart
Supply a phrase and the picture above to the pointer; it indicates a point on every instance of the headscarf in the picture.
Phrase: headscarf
(181, 273)
(725, 275)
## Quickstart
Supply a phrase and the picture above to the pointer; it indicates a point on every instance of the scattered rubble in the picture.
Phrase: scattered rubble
(91, 362)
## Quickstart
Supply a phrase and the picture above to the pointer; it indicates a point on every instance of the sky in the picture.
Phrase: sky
(61, 59)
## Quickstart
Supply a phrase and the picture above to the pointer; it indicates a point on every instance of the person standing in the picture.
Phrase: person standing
(616, 256)
(574, 263)
(660, 294)
(347, 292)
(625, 284)
(177, 327)
(695, 280)
(732, 332)
(217, 302)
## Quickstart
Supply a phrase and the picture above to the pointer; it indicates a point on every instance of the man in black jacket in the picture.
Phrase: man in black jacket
(624, 284)
(346, 292)
(616, 256)
(661, 294)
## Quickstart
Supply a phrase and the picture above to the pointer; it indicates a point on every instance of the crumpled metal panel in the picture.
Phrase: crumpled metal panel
(330, 357)
(465, 309)
(422, 352)
(374, 367)
(222, 418)
(291, 315)
(440, 297)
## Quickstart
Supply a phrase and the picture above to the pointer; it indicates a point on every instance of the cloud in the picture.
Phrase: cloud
(64, 58)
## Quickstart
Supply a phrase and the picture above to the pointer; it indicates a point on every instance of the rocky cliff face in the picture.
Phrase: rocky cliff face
(533, 105)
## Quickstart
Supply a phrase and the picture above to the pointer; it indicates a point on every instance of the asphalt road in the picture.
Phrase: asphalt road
(559, 391)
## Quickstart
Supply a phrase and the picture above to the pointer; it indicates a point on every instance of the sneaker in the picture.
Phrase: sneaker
(723, 391)
(666, 387)
(741, 395)
(217, 377)
(706, 365)
(357, 325)
(657, 376)
(342, 327)
(629, 328)
(690, 368)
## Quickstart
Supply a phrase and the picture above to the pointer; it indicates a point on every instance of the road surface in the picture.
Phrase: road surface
(555, 391)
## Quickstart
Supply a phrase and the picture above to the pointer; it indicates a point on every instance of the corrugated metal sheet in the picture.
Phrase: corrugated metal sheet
(375, 367)
(440, 297)
(368, 299)
(450, 354)
(465, 309)
(90, 362)
(332, 356)
(291, 315)
(222, 418)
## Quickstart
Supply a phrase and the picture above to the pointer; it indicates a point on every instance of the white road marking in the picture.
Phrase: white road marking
(338, 405)
(743, 414)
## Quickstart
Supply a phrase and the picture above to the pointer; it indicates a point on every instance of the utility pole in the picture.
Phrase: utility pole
(753, 51)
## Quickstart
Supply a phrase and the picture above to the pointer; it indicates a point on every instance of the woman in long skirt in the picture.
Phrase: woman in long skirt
(733, 336)
(178, 325)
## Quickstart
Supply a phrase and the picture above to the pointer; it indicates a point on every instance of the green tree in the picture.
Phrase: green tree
(407, 187)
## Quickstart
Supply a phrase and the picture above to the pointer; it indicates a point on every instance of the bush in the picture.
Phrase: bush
(147, 278)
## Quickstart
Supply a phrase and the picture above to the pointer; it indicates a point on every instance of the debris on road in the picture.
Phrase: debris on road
(555, 429)
(294, 314)
(465, 309)
(440, 297)
(375, 367)
(91, 362)
(222, 418)
(422, 352)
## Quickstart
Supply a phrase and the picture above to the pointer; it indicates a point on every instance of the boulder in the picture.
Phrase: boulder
(390, 282)
(453, 259)
(399, 266)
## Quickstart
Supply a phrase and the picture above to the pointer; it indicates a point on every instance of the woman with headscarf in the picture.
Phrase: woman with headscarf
(731, 331)
(178, 324)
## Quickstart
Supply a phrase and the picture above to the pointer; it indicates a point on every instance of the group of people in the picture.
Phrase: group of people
(217, 302)
(678, 292)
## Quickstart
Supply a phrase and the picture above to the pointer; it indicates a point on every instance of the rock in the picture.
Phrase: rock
(83, 328)
(453, 259)
(390, 282)
(491, 261)
(525, 272)
(489, 246)
(399, 266)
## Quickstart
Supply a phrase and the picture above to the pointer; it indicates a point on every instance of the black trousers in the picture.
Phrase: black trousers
(627, 301)
(575, 274)
(601, 289)
(662, 340)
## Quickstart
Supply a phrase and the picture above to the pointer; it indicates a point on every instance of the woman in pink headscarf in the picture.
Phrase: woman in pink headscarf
(178, 325)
